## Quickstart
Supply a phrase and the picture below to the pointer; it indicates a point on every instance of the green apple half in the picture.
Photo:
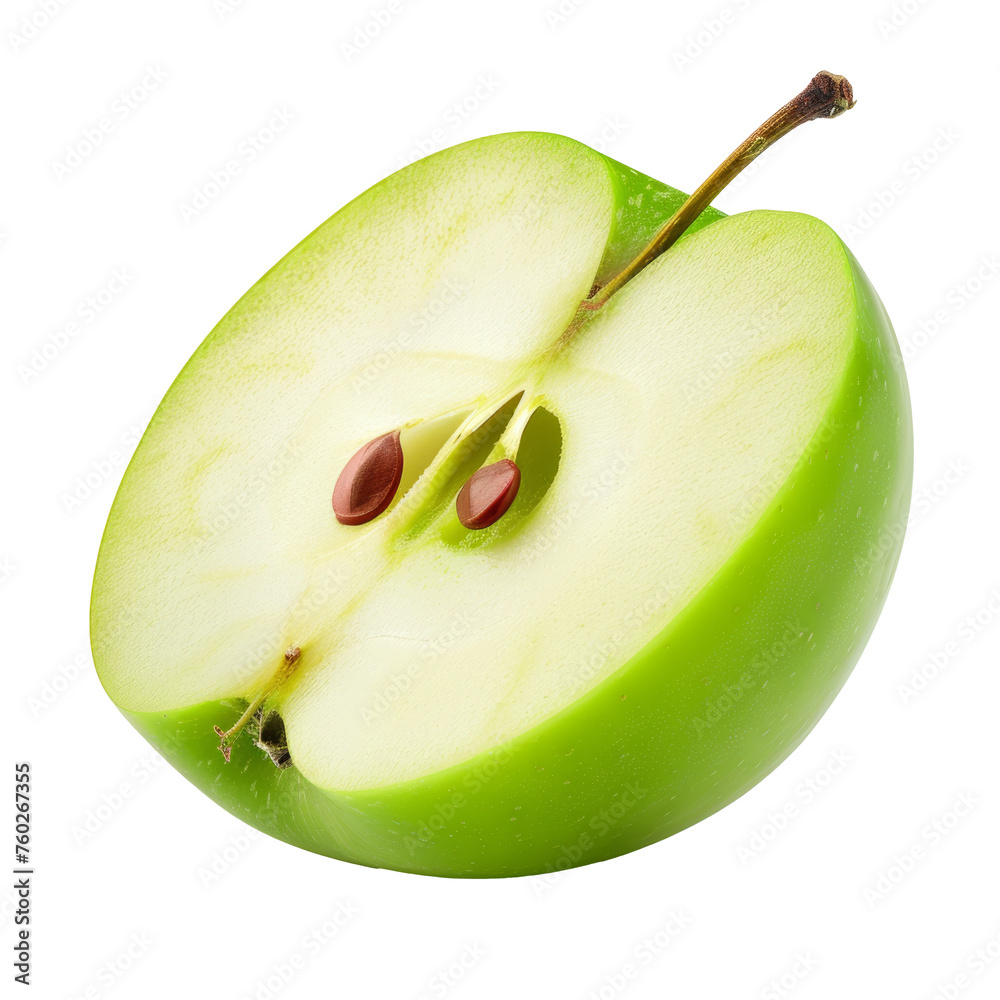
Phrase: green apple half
(715, 466)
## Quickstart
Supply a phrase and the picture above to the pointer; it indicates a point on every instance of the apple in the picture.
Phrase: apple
(522, 515)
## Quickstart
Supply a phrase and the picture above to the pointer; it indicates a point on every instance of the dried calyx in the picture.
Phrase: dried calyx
(271, 738)
(257, 710)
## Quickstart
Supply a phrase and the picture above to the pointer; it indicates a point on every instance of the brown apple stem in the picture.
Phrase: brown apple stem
(826, 96)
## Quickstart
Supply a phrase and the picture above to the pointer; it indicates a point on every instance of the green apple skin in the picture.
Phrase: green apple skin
(708, 708)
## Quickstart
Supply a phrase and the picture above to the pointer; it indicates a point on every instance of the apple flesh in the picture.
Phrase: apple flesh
(715, 471)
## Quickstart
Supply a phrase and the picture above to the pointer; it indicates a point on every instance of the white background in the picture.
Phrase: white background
(799, 912)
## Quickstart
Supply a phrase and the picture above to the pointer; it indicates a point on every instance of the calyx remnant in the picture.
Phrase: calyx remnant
(255, 710)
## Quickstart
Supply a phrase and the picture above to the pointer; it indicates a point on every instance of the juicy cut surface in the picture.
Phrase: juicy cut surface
(436, 303)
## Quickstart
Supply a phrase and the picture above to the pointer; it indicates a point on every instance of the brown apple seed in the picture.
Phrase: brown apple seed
(484, 499)
(369, 480)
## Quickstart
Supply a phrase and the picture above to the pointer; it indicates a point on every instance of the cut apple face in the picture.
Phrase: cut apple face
(408, 510)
